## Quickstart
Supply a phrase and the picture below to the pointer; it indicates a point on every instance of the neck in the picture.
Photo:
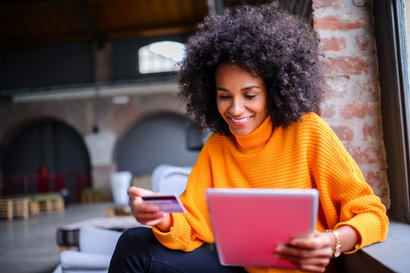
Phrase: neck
(258, 137)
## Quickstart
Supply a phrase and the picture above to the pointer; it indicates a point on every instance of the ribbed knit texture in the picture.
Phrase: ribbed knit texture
(306, 154)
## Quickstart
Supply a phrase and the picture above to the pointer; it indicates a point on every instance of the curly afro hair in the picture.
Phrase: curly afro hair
(263, 40)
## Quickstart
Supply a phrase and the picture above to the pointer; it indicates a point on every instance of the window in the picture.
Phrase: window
(160, 57)
(390, 30)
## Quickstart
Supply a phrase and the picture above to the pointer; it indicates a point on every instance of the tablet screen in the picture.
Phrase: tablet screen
(249, 223)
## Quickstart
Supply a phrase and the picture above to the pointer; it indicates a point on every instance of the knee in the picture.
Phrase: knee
(129, 252)
(134, 238)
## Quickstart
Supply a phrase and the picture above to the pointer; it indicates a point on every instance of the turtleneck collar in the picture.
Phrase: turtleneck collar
(258, 138)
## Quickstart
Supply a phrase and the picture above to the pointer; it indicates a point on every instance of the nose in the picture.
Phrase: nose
(236, 108)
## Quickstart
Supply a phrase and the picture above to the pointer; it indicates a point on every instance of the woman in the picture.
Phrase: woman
(252, 75)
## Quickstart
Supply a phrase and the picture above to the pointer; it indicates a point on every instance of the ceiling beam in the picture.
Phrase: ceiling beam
(17, 2)
(80, 13)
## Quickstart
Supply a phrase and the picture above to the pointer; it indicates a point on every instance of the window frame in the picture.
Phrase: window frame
(394, 102)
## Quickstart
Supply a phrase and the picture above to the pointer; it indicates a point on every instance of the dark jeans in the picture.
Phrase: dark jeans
(138, 250)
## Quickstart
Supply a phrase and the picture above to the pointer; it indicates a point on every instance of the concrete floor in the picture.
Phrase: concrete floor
(30, 246)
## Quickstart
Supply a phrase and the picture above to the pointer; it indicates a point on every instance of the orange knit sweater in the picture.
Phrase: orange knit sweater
(306, 154)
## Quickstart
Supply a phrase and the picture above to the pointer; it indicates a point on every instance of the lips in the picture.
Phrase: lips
(239, 121)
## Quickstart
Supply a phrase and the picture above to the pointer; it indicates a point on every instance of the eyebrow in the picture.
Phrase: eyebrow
(243, 89)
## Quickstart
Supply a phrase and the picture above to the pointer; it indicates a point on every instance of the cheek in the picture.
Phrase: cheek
(258, 107)
(263, 107)
(263, 110)
(221, 107)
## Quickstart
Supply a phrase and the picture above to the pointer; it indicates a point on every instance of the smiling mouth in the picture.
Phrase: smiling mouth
(239, 121)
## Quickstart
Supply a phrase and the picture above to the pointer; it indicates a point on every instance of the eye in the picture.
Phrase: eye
(223, 97)
(250, 96)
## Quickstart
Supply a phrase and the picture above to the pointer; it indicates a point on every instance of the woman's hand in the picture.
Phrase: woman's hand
(145, 213)
(311, 253)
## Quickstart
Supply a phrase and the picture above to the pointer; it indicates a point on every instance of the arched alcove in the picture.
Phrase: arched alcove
(46, 148)
(155, 140)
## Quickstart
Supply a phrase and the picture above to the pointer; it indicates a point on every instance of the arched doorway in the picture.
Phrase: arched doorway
(46, 156)
(158, 139)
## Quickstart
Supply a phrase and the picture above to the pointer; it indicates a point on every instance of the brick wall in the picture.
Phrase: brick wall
(346, 38)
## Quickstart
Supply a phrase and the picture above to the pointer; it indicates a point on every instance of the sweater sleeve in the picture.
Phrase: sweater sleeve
(345, 196)
(191, 229)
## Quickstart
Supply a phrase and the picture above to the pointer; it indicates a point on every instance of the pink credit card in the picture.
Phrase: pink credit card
(166, 202)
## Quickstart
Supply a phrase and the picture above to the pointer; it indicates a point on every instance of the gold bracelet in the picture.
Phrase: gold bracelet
(337, 249)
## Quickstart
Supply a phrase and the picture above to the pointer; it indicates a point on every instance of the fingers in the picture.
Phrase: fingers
(148, 219)
(311, 253)
(305, 259)
(145, 213)
(316, 241)
(134, 192)
(315, 264)
(303, 253)
(137, 204)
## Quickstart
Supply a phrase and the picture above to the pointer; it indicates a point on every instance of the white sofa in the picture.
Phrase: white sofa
(170, 179)
(96, 245)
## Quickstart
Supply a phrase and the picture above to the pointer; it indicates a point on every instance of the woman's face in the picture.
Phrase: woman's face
(240, 97)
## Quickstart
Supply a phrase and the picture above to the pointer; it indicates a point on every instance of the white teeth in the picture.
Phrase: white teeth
(240, 120)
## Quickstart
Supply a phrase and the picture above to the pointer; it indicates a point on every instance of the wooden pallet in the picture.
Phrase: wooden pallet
(34, 207)
(51, 205)
(11, 208)
(25, 205)
(118, 211)
(94, 195)
(47, 202)
(6, 208)
(21, 207)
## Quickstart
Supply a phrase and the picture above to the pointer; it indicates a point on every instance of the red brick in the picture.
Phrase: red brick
(332, 44)
(317, 4)
(370, 132)
(364, 42)
(356, 110)
(363, 155)
(374, 178)
(348, 65)
(341, 22)
(344, 133)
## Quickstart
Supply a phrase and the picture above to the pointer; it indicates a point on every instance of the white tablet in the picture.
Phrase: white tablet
(249, 223)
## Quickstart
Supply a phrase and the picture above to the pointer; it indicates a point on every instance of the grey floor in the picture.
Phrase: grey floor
(30, 246)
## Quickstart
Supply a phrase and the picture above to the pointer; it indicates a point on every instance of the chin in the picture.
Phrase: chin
(241, 132)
